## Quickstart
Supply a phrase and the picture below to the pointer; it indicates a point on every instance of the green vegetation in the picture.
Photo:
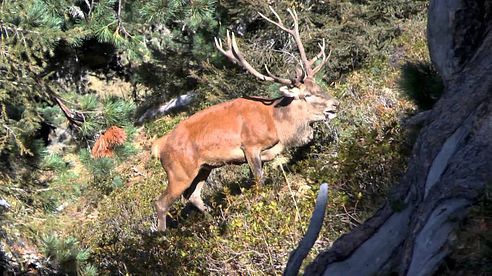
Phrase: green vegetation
(109, 61)
(66, 254)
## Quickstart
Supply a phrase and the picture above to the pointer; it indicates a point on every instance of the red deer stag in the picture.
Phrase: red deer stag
(242, 130)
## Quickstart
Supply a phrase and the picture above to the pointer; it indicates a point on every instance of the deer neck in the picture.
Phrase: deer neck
(292, 123)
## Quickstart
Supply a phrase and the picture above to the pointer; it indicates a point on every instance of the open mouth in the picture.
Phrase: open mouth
(330, 114)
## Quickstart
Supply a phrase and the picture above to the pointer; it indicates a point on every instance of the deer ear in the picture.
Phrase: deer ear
(290, 93)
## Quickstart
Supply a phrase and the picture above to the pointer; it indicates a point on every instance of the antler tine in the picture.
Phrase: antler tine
(293, 14)
(324, 60)
(234, 54)
(300, 46)
(276, 15)
(218, 45)
(229, 54)
(237, 53)
(279, 22)
(305, 70)
(295, 34)
(229, 40)
(279, 80)
(306, 64)
(320, 54)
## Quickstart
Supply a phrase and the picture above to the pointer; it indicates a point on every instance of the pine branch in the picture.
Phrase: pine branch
(75, 118)
(120, 26)
(12, 29)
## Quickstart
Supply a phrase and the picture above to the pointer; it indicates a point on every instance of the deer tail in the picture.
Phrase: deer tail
(157, 145)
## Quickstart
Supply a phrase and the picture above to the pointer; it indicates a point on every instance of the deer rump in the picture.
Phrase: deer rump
(248, 130)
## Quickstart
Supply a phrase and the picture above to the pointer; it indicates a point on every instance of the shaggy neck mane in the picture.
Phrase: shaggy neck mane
(293, 129)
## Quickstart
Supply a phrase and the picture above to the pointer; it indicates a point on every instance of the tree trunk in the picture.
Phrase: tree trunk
(450, 164)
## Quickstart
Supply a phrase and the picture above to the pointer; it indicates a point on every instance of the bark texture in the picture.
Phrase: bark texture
(450, 164)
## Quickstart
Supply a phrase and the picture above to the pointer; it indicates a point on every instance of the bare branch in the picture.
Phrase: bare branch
(298, 255)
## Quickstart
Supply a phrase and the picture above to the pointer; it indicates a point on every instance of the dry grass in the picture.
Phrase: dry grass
(108, 88)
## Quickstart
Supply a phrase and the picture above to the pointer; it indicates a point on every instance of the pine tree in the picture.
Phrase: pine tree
(31, 31)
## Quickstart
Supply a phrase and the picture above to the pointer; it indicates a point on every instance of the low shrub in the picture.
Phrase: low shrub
(67, 256)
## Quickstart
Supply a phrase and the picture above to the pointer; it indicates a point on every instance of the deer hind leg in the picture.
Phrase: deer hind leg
(254, 161)
(177, 184)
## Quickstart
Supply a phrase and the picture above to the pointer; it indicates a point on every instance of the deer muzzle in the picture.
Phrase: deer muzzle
(331, 112)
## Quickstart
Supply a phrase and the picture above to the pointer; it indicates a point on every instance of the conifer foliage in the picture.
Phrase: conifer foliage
(48, 48)
(33, 32)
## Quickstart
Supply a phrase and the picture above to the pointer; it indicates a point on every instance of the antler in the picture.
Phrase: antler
(235, 55)
(321, 54)
(306, 64)
(303, 71)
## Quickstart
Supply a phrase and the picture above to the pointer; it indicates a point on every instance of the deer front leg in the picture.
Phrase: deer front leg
(271, 153)
(254, 161)
(196, 198)
(193, 193)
